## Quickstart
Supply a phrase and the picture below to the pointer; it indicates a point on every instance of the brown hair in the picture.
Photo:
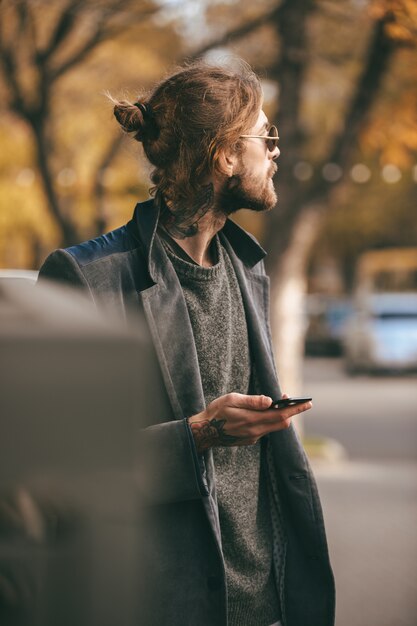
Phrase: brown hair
(186, 121)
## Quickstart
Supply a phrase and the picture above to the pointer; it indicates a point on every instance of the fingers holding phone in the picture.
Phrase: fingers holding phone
(237, 419)
(281, 411)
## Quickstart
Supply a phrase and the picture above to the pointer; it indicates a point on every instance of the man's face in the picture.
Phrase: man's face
(251, 186)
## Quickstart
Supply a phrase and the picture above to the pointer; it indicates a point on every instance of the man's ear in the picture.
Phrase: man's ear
(226, 163)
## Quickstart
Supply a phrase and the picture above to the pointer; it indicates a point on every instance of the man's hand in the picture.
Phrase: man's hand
(239, 420)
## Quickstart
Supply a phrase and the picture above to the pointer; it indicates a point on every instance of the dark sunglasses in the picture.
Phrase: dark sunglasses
(271, 138)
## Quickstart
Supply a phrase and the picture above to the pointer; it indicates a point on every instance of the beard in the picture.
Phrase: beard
(243, 190)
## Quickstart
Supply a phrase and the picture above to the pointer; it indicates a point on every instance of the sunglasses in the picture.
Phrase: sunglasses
(271, 138)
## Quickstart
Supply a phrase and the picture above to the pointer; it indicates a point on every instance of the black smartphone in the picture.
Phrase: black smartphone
(284, 402)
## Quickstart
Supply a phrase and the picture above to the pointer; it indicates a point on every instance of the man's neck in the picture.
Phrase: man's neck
(198, 246)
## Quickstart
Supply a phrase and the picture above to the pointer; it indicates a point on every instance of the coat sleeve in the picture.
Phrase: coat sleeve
(167, 465)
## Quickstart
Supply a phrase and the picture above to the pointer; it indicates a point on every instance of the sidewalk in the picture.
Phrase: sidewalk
(371, 518)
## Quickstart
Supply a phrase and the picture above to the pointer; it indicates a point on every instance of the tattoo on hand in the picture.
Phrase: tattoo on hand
(209, 433)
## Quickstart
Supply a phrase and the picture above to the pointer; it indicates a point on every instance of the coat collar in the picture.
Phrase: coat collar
(146, 217)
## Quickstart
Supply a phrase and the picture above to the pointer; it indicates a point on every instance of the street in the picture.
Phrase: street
(374, 417)
(369, 499)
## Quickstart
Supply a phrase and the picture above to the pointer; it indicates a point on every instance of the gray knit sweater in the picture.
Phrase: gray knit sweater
(218, 319)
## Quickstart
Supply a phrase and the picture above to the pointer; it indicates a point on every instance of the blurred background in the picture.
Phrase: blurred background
(340, 81)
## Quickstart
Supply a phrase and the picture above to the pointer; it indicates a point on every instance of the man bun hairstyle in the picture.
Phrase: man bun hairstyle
(185, 123)
(135, 118)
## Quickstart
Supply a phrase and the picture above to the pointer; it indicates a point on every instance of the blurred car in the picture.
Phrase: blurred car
(326, 318)
(382, 334)
(30, 275)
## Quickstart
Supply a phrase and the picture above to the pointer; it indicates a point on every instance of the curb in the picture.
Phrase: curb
(324, 449)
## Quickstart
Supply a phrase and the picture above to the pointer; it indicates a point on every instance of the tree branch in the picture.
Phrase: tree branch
(237, 33)
(77, 57)
(9, 68)
(62, 30)
(103, 31)
(380, 52)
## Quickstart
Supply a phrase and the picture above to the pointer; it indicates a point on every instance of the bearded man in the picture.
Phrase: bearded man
(237, 536)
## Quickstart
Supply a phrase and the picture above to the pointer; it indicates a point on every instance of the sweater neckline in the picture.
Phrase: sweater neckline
(191, 269)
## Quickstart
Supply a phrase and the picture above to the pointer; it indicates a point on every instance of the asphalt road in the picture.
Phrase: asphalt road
(373, 417)
(369, 499)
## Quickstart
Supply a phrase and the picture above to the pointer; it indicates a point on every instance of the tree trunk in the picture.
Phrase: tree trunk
(69, 234)
(99, 191)
(288, 303)
(296, 222)
(288, 290)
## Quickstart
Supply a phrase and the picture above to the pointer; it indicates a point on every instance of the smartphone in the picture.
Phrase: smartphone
(284, 402)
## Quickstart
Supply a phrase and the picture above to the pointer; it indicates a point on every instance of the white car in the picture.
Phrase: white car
(381, 335)
(30, 275)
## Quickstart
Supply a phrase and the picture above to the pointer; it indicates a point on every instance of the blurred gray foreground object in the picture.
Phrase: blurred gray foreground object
(70, 417)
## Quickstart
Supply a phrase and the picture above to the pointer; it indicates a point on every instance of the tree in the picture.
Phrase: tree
(40, 45)
(309, 49)
(382, 34)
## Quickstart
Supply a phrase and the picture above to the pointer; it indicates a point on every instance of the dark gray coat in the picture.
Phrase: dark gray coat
(128, 267)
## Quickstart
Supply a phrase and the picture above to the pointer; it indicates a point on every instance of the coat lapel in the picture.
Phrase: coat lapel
(255, 295)
(169, 322)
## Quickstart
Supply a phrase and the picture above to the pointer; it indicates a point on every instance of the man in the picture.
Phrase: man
(237, 534)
